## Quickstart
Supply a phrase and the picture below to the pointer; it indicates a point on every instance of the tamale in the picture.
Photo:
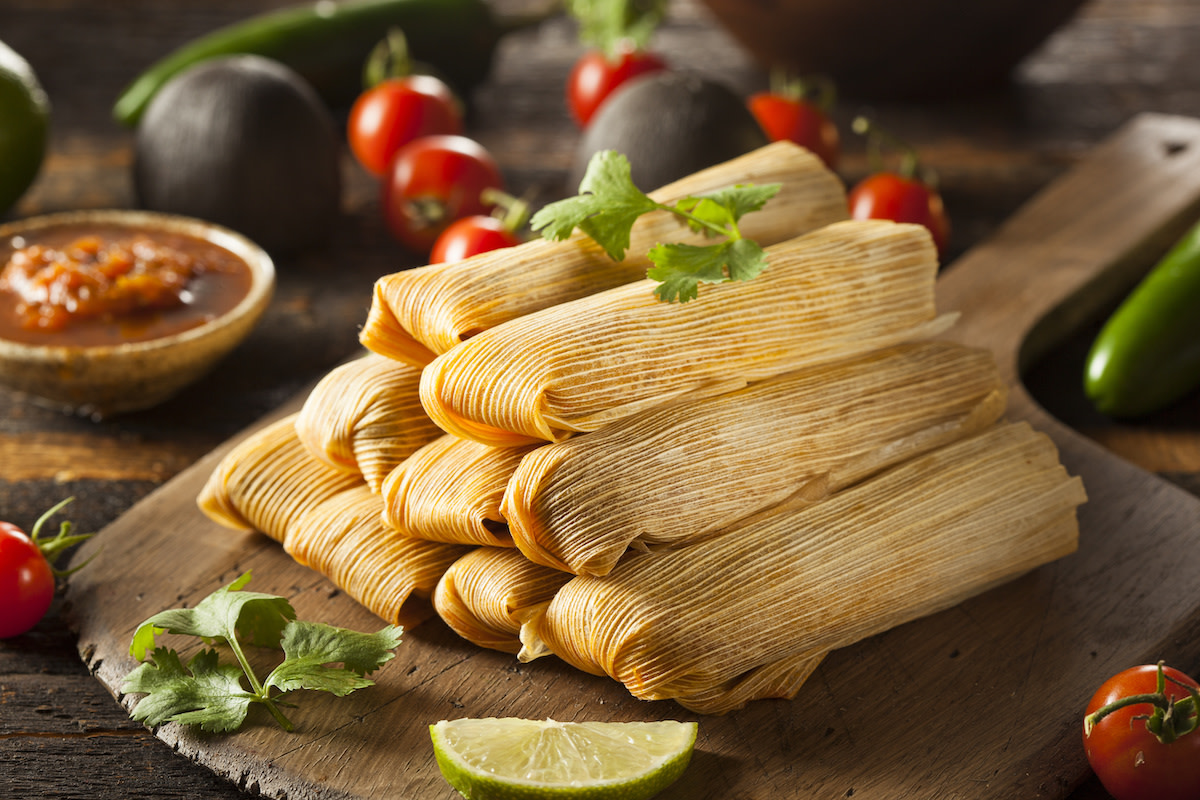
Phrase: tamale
(683, 472)
(450, 491)
(268, 480)
(418, 313)
(694, 624)
(343, 539)
(486, 595)
(845, 289)
(365, 416)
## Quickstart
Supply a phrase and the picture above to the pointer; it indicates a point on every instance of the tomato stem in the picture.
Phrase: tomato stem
(1170, 718)
(51, 549)
(513, 211)
(820, 90)
(910, 162)
(387, 59)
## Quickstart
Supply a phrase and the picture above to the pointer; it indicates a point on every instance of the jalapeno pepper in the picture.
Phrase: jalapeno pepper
(1147, 355)
(328, 42)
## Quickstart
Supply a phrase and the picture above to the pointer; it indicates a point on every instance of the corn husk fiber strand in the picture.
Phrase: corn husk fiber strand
(419, 313)
(365, 416)
(344, 539)
(921, 537)
(268, 480)
(450, 491)
(845, 289)
(486, 595)
(685, 471)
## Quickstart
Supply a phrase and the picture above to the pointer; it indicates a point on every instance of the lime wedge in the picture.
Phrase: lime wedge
(517, 759)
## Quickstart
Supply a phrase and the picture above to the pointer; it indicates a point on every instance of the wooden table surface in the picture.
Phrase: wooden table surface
(61, 734)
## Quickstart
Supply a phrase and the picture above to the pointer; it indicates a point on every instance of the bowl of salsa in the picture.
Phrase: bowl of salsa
(109, 311)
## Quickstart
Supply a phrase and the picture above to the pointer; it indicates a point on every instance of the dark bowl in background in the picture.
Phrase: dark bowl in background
(894, 50)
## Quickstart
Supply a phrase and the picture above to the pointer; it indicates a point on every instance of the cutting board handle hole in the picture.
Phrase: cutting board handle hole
(1172, 149)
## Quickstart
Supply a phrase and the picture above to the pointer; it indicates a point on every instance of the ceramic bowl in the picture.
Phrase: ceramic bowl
(103, 380)
(889, 50)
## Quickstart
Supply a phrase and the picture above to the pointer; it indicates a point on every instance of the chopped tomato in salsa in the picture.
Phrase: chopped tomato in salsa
(95, 278)
(72, 285)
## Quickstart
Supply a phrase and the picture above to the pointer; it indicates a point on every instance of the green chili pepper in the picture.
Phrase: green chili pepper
(1147, 355)
(328, 42)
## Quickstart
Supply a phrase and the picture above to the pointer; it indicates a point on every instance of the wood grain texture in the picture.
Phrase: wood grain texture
(938, 708)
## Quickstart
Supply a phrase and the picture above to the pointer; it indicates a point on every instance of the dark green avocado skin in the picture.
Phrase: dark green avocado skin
(669, 125)
(245, 142)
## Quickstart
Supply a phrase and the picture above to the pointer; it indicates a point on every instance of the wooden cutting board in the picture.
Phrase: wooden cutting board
(983, 700)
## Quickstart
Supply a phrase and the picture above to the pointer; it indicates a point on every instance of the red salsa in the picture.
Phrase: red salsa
(102, 285)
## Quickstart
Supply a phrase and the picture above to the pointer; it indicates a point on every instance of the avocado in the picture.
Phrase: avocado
(245, 142)
(669, 125)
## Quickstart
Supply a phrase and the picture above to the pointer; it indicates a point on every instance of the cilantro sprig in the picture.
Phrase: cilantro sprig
(609, 203)
(211, 694)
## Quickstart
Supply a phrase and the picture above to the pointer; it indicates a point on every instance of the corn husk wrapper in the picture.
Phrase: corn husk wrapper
(753, 606)
(268, 480)
(686, 471)
(843, 290)
(421, 312)
(365, 416)
(486, 595)
(344, 540)
(450, 491)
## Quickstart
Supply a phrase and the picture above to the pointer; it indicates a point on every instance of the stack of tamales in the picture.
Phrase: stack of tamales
(699, 500)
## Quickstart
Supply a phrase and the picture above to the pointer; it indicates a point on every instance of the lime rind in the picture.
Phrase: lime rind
(516, 759)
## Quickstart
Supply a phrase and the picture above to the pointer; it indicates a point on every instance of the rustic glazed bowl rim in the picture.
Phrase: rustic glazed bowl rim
(262, 271)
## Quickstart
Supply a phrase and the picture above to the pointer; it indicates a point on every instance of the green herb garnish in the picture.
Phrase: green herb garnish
(609, 203)
(211, 694)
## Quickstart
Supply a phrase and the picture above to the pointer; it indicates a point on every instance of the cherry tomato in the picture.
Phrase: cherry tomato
(887, 195)
(26, 582)
(595, 76)
(394, 112)
(471, 236)
(798, 120)
(1130, 761)
(433, 181)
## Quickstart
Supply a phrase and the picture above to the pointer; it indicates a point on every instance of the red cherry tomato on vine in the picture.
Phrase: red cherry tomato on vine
(797, 120)
(887, 195)
(26, 582)
(471, 236)
(595, 76)
(432, 181)
(396, 111)
(1130, 761)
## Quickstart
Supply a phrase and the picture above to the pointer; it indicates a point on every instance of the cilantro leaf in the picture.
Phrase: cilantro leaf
(205, 693)
(257, 618)
(605, 209)
(211, 694)
(311, 646)
(608, 205)
(743, 198)
(681, 268)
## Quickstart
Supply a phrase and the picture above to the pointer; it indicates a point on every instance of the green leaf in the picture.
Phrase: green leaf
(253, 617)
(310, 647)
(681, 268)
(744, 197)
(708, 211)
(606, 24)
(745, 260)
(206, 693)
(605, 209)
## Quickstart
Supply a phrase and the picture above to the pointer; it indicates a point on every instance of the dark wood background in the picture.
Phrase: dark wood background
(61, 734)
